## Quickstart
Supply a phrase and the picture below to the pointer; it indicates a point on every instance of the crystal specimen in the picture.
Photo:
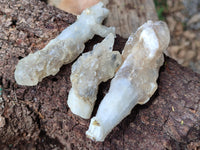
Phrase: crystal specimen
(88, 72)
(64, 48)
(135, 81)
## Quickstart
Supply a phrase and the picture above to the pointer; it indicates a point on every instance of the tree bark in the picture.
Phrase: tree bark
(38, 116)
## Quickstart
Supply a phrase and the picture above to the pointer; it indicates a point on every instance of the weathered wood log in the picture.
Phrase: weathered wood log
(38, 117)
(128, 15)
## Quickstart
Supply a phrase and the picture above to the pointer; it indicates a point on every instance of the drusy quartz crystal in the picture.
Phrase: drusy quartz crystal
(88, 72)
(64, 48)
(135, 81)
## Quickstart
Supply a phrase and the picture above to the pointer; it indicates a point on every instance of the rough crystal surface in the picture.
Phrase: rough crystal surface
(88, 72)
(135, 81)
(64, 48)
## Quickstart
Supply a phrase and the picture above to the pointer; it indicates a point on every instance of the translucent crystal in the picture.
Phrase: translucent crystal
(135, 81)
(88, 72)
(64, 48)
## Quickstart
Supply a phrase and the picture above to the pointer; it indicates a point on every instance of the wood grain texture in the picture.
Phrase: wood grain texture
(128, 15)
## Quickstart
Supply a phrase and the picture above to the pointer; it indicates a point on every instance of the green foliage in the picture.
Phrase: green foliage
(161, 8)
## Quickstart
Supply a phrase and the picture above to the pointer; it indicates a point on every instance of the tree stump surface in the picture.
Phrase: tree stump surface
(127, 15)
(38, 117)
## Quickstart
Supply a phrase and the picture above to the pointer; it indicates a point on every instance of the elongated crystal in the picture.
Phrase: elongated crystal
(64, 48)
(88, 72)
(135, 81)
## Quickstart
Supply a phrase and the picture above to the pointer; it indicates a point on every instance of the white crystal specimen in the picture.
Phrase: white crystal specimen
(64, 48)
(135, 81)
(88, 72)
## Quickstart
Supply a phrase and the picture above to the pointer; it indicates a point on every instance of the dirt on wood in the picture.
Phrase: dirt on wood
(38, 117)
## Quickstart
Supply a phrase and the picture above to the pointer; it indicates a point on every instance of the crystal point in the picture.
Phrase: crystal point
(65, 48)
(135, 81)
(88, 72)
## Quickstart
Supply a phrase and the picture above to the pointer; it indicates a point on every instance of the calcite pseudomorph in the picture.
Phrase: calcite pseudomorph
(88, 72)
(135, 81)
(64, 48)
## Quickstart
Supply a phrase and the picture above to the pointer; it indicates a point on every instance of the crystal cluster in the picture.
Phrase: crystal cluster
(64, 48)
(135, 81)
(88, 72)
